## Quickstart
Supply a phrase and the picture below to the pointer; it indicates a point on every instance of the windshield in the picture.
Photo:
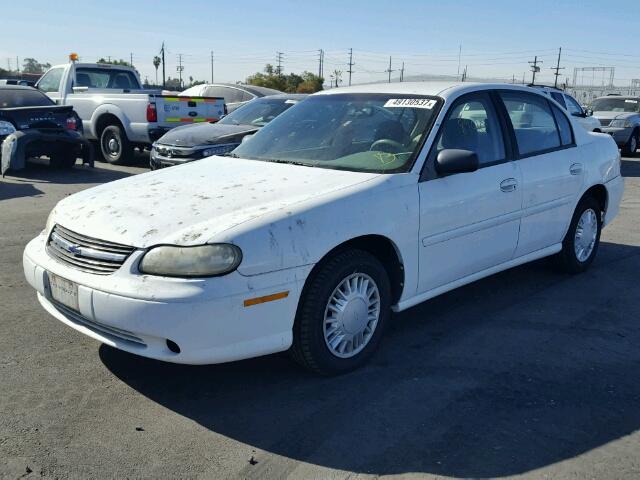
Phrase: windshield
(358, 132)
(258, 112)
(10, 98)
(616, 104)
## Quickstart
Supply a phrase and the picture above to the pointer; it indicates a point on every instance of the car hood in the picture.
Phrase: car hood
(605, 115)
(203, 133)
(190, 204)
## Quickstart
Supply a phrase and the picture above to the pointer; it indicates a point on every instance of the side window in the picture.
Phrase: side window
(566, 134)
(233, 95)
(558, 97)
(573, 106)
(472, 124)
(246, 96)
(215, 92)
(51, 80)
(533, 122)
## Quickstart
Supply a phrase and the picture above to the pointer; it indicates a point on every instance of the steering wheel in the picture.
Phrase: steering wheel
(386, 145)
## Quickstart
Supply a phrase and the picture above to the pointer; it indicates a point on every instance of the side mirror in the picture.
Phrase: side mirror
(454, 160)
(588, 112)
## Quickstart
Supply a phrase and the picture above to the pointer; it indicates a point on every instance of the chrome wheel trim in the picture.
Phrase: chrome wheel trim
(351, 315)
(111, 145)
(584, 240)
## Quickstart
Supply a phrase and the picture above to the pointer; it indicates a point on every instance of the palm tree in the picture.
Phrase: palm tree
(156, 63)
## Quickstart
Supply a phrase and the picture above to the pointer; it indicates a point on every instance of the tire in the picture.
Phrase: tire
(311, 336)
(62, 161)
(115, 146)
(632, 144)
(569, 259)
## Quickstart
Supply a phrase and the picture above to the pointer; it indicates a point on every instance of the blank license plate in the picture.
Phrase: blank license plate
(64, 291)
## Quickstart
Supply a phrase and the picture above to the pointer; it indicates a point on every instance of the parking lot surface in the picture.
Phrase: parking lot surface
(529, 372)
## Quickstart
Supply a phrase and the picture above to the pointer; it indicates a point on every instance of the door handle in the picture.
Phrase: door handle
(575, 169)
(508, 185)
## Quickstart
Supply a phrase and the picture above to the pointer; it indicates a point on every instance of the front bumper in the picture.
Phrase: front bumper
(206, 318)
(15, 148)
(620, 135)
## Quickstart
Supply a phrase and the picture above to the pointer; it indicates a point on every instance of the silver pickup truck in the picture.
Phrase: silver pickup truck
(117, 112)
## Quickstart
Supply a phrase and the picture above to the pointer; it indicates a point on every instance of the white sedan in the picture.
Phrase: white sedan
(353, 203)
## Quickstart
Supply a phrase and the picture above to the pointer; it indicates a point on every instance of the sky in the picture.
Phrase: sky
(497, 38)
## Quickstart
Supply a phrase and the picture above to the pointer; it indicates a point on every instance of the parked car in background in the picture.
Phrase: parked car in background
(352, 203)
(193, 142)
(619, 116)
(115, 109)
(235, 95)
(571, 105)
(32, 125)
(15, 81)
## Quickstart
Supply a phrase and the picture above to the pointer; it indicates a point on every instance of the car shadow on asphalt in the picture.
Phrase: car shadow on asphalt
(630, 168)
(511, 373)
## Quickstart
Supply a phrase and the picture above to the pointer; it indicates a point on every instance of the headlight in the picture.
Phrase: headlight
(6, 128)
(620, 123)
(200, 261)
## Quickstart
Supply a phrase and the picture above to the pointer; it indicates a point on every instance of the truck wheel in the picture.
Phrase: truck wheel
(632, 144)
(115, 145)
(62, 161)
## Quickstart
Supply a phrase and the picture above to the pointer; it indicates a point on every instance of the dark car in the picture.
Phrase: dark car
(193, 142)
(235, 95)
(32, 125)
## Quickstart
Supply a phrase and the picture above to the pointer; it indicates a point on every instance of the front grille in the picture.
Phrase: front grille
(175, 152)
(604, 122)
(98, 327)
(85, 253)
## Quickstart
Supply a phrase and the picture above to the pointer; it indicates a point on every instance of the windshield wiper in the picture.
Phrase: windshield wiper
(287, 162)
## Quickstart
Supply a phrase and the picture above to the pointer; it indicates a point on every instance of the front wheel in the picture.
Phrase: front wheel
(581, 242)
(342, 313)
(632, 144)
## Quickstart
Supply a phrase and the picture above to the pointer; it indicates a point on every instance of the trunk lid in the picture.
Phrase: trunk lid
(41, 117)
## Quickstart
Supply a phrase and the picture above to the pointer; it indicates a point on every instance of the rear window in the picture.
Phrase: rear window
(106, 78)
(10, 98)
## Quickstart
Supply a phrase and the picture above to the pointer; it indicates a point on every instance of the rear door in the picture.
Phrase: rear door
(551, 169)
(174, 111)
(469, 221)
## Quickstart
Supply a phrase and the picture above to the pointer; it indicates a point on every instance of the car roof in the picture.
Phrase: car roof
(285, 96)
(17, 87)
(256, 90)
(442, 89)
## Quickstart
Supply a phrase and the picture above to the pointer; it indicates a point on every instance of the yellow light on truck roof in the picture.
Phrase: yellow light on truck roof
(73, 57)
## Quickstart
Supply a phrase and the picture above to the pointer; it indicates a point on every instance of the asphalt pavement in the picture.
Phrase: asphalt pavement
(527, 373)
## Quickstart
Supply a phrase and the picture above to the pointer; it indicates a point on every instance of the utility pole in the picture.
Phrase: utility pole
(389, 70)
(279, 67)
(557, 68)
(131, 59)
(402, 73)
(513, 78)
(459, 58)
(534, 68)
(211, 66)
(164, 83)
(321, 63)
(351, 64)
(17, 65)
(464, 74)
(180, 68)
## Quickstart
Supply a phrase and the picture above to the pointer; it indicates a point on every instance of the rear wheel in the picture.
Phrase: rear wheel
(115, 146)
(342, 313)
(632, 144)
(581, 242)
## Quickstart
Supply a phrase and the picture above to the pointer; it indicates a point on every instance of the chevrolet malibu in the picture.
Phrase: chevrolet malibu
(352, 204)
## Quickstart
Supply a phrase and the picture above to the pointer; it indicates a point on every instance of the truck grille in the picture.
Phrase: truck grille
(86, 253)
(604, 122)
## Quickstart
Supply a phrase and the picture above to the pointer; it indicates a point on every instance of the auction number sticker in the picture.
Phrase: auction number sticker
(410, 103)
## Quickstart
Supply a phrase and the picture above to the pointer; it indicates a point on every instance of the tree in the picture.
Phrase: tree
(156, 63)
(124, 63)
(292, 83)
(336, 77)
(31, 65)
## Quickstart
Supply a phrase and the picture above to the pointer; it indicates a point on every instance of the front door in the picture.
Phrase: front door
(469, 222)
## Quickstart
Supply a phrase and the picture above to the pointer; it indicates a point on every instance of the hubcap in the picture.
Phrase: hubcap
(113, 146)
(352, 315)
(586, 233)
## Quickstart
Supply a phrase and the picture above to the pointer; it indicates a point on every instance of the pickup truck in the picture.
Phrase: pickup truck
(117, 112)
